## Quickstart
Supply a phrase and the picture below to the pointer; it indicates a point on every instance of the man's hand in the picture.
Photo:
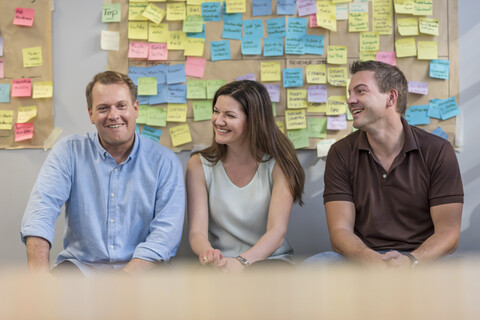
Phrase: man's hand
(395, 259)
(137, 266)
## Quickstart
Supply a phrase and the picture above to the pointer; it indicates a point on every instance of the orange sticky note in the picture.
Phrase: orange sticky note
(23, 131)
(21, 87)
(24, 17)
(158, 51)
(138, 50)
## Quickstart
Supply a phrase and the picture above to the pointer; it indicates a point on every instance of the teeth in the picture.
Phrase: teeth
(222, 130)
(115, 126)
(357, 111)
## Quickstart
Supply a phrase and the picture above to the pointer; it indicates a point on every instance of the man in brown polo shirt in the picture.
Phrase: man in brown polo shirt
(393, 193)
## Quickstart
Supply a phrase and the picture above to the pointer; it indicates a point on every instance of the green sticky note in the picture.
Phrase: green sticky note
(202, 110)
(317, 127)
(299, 138)
(349, 115)
(274, 109)
(147, 86)
(196, 89)
(157, 116)
(111, 12)
(142, 113)
(213, 86)
(193, 23)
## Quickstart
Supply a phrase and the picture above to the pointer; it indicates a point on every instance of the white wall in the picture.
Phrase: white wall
(77, 57)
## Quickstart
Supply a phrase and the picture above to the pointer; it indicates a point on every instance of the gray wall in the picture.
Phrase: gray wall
(77, 57)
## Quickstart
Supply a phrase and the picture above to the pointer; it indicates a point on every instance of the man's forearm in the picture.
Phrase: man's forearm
(38, 254)
(350, 246)
(138, 266)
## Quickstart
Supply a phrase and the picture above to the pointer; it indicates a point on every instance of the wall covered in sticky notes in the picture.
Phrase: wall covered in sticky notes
(299, 49)
(26, 90)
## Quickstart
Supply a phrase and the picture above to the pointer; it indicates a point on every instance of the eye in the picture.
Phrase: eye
(215, 110)
(101, 108)
(122, 106)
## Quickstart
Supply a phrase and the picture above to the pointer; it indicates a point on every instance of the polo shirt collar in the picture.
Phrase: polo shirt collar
(104, 153)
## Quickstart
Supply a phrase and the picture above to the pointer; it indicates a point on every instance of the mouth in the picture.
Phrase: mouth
(357, 111)
(114, 126)
(222, 131)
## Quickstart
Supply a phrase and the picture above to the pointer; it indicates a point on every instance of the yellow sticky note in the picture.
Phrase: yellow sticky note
(176, 11)
(281, 126)
(270, 71)
(316, 73)
(341, 1)
(138, 30)
(6, 119)
(195, 2)
(327, 15)
(382, 17)
(194, 47)
(408, 27)
(180, 135)
(357, 21)
(404, 6)
(32, 57)
(135, 11)
(42, 89)
(158, 32)
(194, 10)
(337, 55)
(369, 41)
(368, 55)
(427, 50)
(176, 40)
(405, 47)
(317, 107)
(337, 76)
(296, 98)
(26, 113)
(236, 6)
(177, 112)
(295, 119)
(429, 26)
(147, 86)
(423, 7)
(336, 105)
(154, 13)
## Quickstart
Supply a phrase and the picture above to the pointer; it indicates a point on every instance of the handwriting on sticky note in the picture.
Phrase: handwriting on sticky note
(292, 77)
(158, 32)
(6, 119)
(180, 135)
(316, 73)
(273, 92)
(439, 69)
(428, 26)
(213, 86)
(21, 87)
(147, 86)
(32, 57)
(111, 12)
(142, 114)
(369, 41)
(358, 22)
(270, 71)
(423, 7)
(236, 6)
(326, 15)
(220, 50)
(196, 89)
(25, 114)
(317, 93)
(138, 50)
(24, 17)
(177, 112)
(387, 57)
(408, 26)
(295, 119)
(315, 107)
(138, 30)
(156, 116)
(337, 76)
(152, 133)
(202, 110)
(418, 87)
(405, 47)
(157, 51)
(337, 55)
(336, 105)
(135, 11)
(154, 13)
(23, 131)
(337, 122)
(382, 17)
(43, 89)
(427, 50)
(296, 98)
(194, 47)
(176, 11)
(404, 6)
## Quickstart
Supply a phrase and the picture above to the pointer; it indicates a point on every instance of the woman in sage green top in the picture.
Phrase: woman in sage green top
(241, 189)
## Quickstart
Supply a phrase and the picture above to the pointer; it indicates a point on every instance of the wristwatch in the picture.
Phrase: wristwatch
(243, 261)
(412, 258)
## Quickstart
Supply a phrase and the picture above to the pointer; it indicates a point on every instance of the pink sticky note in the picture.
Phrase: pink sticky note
(317, 93)
(21, 87)
(387, 57)
(23, 131)
(337, 122)
(138, 50)
(2, 73)
(195, 66)
(313, 20)
(306, 7)
(248, 76)
(1, 46)
(24, 17)
(418, 87)
(273, 91)
(158, 51)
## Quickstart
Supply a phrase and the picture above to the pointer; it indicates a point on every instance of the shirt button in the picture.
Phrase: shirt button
(111, 246)
(384, 176)
(112, 194)
(116, 170)
(112, 221)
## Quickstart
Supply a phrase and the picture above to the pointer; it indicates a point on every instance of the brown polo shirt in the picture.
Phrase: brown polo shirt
(393, 208)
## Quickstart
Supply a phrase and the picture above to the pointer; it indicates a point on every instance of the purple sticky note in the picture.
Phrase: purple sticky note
(273, 91)
(248, 76)
(306, 7)
(337, 122)
(317, 93)
(418, 87)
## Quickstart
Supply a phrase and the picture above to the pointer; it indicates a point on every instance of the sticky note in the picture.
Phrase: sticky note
(22, 87)
(138, 50)
(270, 71)
(135, 11)
(111, 12)
(213, 86)
(156, 116)
(154, 13)
(296, 26)
(316, 73)
(6, 119)
(423, 7)
(281, 126)
(317, 128)
(43, 89)
(193, 24)
(180, 135)
(147, 86)
(251, 46)
(417, 115)
(368, 55)
(369, 41)
(404, 6)
(176, 40)
(161, 96)
(317, 93)
(26, 114)
(157, 51)
(138, 30)
(158, 32)
(253, 28)
(408, 27)
(248, 76)
(336, 105)
(272, 47)
(276, 28)
(195, 66)
(194, 47)
(295, 119)
(323, 146)
(142, 114)
(439, 69)
(1, 46)
(337, 55)
(235, 6)
(286, 7)
(24, 17)
(2, 69)
(296, 98)
(177, 93)
(405, 47)
(152, 133)
(202, 110)
(382, 17)
(232, 30)
(220, 50)
(306, 7)
(294, 44)
(176, 73)
(4, 93)
(292, 77)
(110, 40)
(176, 11)
(358, 7)
(434, 108)
(428, 26)
(358, 21)
(299, 138)
(337, 76)
(159, 71)
(32, 57)
(418, 87)
(327, 15)
(314, 44)
(448, 108)
(196, 89)
(387, 57)
(273, 91)
(177, 112)
(427, 50)
(341, 11)
(231, 16)
(23, 131)
(211, 11)
(337, 122)
(439, 132)
(315, 107)
(261, 8)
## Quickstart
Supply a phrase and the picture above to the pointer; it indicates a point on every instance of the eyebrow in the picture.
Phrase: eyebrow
(359, 85)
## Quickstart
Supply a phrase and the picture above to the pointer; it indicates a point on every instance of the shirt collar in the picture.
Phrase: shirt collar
(104, 153)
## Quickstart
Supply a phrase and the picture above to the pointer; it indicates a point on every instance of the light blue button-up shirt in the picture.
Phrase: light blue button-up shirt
(113, 213)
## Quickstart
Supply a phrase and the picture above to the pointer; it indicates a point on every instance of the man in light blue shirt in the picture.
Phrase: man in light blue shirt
(124, 194)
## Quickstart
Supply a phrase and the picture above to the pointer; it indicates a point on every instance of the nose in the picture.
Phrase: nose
(351, 99)
(113, 113)
(218, 120)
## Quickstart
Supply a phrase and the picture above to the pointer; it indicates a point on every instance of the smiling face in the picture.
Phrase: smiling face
(229, 122)
(114, 115)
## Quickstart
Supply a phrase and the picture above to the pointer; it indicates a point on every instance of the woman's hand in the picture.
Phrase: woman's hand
(210, 256)
(230, 265)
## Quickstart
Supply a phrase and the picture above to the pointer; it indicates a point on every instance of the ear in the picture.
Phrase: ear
(135, 107)
(90, 114)
(392, 98)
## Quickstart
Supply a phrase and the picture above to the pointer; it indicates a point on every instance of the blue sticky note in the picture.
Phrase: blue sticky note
(276, 28)
(448, 108)
(251, 46)
(176, 73)
(211, 11)
(314, 44)
(199, 35)
(297, 26)
(416, 115)
(439, 69)
(143, 99)
(152, 133)
(434, 109)
(232, 30)
(294, 44)
(286, 7)
(159, 71)
(292, 77)
(136, 72)
(137, 128)
(177, 93)
(220, 50)
(261, 8)
(5, 93)
(272, 47)
(439, 132)
(161, 96)
(253, 28)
